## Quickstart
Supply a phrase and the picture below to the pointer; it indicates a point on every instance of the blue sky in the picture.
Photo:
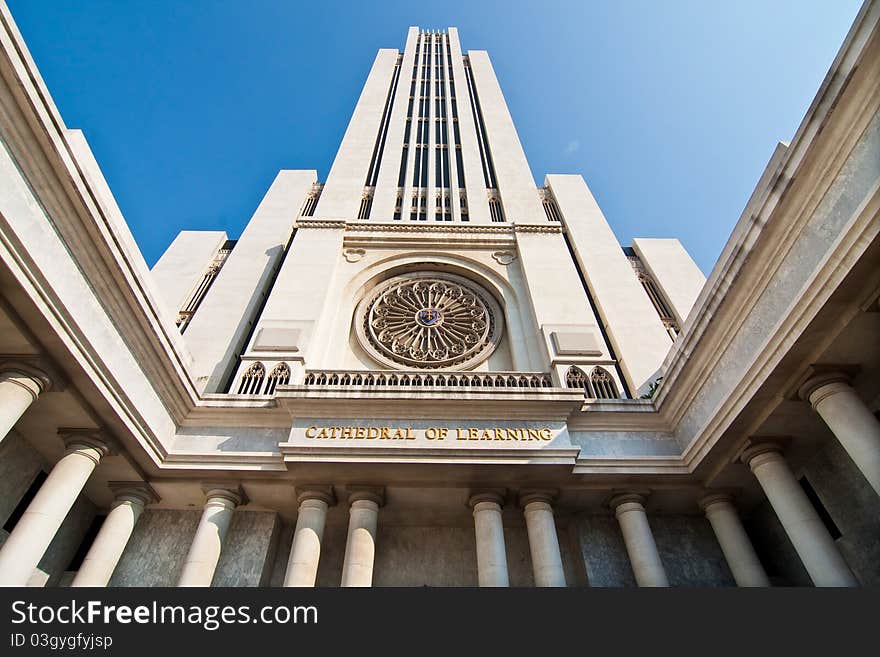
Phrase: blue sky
(670, 110)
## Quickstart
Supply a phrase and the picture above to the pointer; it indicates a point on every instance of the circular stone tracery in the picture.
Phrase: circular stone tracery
(429, 321)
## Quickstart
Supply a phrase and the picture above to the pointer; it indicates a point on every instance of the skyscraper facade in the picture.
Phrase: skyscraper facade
(427, 370)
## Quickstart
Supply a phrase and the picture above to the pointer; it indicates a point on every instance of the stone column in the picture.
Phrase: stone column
(107, 548)
(543, 541)
(20, 385)
(360, 546)
(37, 527)
(204, 553)
(735, 544)
(643, 556)
(811, 540)
(305, 550)
(491, 553)
(833, 398)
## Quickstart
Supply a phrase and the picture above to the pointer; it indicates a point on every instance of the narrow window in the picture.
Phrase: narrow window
(280, 376)
(549, 203)
(185, 315)
(599, 385)
(366, 204)
(482, 141)
(252, 380)
(379, 147)
(308, 208)
(575, 378)
(495, 211)
(398, 205)
(654, 294)
(603, 384)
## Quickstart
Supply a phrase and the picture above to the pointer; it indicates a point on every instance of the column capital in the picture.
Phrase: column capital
(761, 446)
(545, 495)
(35, 368)
(224, 490)
(139, 491)
(357, 492)
(710, 497)
(493, 495)
(619, 498)
(77, 439)
(323, 492)
(818, 375)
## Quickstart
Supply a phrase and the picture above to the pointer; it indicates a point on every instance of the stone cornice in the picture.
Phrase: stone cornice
(538, 228)
(426, 227)
(430, 403)
(331, 224)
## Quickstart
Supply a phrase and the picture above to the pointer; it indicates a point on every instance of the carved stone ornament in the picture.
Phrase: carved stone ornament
(429, 320)
(504, 257)
(353, 255)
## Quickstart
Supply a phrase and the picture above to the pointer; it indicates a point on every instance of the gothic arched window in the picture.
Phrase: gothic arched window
(575, 378)
(603, 384)
(252, 380)
(599, 385)
(279, 376)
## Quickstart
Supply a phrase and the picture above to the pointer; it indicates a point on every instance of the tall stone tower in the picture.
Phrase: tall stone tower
(428, 249)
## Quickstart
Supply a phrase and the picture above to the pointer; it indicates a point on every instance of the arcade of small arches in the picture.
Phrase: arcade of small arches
(253, 379)
(598, 384)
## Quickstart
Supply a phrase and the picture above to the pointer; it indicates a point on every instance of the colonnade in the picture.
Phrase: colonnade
(828, 392)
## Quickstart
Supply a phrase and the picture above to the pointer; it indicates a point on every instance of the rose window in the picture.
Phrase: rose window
(431, 321)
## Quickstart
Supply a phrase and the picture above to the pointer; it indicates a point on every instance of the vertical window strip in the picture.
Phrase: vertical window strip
(455, 150)
(429, 63)
(311, 202)
(495, 212)
(401, 175)
(485, 155)
(398, 203)
(444, 211)
(549, 204)
(438, 165)
(605, 339)
(420, 161)
(404, 151)
(661, 307)
(189, 309)
(379, 147)
(366, 203)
